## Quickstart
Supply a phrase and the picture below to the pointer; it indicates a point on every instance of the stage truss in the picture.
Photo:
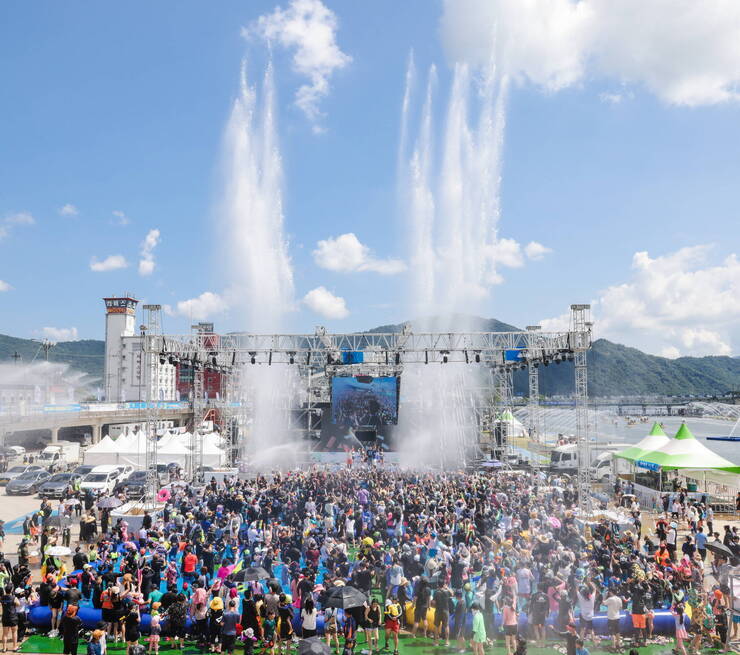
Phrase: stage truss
(318, 357)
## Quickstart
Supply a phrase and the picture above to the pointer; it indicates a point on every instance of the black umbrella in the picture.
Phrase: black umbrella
(251, 573)
(109, 502)
(345, 597)
(313, 646)
(718, 548)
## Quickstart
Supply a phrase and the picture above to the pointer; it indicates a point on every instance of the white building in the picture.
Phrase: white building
(125, 375)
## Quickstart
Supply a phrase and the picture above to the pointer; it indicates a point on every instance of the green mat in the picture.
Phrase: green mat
(407, 646)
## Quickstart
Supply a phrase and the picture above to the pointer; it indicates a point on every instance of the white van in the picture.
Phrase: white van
(101, 479)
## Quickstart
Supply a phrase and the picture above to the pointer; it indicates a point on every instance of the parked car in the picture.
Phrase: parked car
(57, 484)
(18, 450)
(134, 486)
(16, 471)
(83, 470)
(102, 479)
(125, 471)
(26, 483)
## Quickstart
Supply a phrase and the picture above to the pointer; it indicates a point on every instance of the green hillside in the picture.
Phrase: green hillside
(86, 355)
(613, 369)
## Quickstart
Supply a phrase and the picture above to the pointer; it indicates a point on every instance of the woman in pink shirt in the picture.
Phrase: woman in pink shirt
(510, 625)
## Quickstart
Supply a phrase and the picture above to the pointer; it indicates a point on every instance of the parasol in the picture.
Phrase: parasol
(345, 597)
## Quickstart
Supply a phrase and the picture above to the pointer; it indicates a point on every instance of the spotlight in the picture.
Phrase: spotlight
(426, 356)
(477, 358)
(467, 359)
(162, 358)
(291, 359)
(571, 357)
(444, 356)
(546, 362)
(398, 358)
(536, 364)
(173, 359)
(253, 358)
(269, 359)
(308, 358)
(214, 360)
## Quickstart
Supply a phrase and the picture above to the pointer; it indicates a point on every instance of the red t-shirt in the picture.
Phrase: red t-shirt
(189, 562)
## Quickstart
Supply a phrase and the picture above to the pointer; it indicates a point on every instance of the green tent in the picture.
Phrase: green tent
(655, 440)
(685, 452)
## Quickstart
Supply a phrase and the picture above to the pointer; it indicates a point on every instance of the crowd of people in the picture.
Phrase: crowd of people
(255, 564)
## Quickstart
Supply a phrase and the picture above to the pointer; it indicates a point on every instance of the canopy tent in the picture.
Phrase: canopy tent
(655, 440)
(514, 427)
(103, 452)
(685, 452)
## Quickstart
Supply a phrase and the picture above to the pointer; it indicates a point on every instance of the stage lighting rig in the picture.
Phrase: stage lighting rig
(253, 357)
(445, 355)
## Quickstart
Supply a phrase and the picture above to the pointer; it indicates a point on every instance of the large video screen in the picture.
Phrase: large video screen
(364, 401)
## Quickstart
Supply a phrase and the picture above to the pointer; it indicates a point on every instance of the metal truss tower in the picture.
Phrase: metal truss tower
(533, 399)
(150, 333)
(503, 392)
(580, 330)
(200, 407)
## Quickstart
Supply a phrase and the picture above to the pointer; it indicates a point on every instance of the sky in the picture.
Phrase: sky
(619, 160)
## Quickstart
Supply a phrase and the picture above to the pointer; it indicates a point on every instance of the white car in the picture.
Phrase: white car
(126, 471)
(102, 479)
(18, 450)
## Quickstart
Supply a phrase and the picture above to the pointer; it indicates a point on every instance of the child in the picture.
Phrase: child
(268, 631)
(681, 634)
(582, 650)
(248, 639)
(349, 631)
(154, 633)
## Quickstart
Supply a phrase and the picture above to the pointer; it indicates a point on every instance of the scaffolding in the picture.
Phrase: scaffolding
(580, 330)
(534, 423)
(151, 332)
(313, 359)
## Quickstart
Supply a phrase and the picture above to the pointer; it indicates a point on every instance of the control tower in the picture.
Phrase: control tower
(120, 321)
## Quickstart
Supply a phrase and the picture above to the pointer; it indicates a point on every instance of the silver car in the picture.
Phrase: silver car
(26, 483)
(14, 471)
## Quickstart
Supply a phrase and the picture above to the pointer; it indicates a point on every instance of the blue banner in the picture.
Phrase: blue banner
(514, 355)
(647, 465)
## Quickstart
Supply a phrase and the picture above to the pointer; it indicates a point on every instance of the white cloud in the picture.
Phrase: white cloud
(147, 263)
(11, 221)
(611, 98)
(686, 52)
(59, 334)
(671, 352)
(345, 254)
(21, 218)
(68, 210)
(674, 304)
(110, 263)
(508, 253)
(309, 29)
(204, 306)
(121, 218)
(4, 286)
(323, 302)
(536, 251)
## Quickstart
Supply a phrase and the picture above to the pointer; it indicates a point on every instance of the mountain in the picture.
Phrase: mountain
(613, 369)
(87, 355)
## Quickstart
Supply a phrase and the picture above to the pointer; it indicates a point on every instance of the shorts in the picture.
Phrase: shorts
(441, 618)
(153, 639)
(108, 615)
(420, 614)
(510, 630)
(228, 641)
(177, 630)
(736, 618)
(392, 625)
(587, 624)
(638, 621)
(538, 619)
(613, 625)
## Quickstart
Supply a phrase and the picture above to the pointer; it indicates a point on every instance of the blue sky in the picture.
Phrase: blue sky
(118, 110)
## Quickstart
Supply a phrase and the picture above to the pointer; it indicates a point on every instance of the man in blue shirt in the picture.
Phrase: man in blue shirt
(701, 543)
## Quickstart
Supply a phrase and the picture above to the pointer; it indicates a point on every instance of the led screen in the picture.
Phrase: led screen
(364, 401)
